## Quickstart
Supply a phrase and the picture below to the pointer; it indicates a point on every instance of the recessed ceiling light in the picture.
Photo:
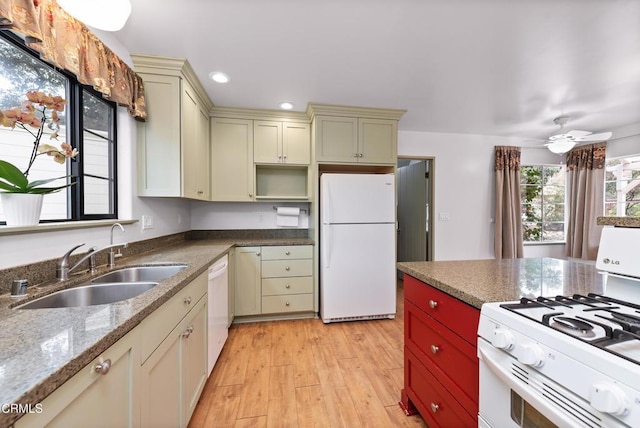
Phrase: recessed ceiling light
(286, 105)
(219, 76)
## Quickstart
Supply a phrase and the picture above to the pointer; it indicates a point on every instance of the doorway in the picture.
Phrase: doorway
(415, 208)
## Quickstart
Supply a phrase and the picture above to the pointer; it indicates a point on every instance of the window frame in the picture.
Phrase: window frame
(564, 203)
(75, 109)
(604, 190)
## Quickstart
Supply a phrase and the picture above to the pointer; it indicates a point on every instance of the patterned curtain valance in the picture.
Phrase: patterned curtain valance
(67, 43)
(587, 157)
(507, 158)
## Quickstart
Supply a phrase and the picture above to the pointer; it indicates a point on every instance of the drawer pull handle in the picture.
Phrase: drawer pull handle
(287, 268)
(433, 304)
(287, 304)
(258, 253)
(287, 286)
(187, 300)
(434, 407)
(187, 332)
(286, 253)
(103, 367)
(435, 349)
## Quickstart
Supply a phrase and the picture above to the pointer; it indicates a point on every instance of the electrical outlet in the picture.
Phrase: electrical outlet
(260, 217)
(147, 222)
(444, 216)
(179, 218)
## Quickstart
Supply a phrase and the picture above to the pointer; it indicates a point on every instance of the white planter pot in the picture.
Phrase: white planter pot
(21, 209)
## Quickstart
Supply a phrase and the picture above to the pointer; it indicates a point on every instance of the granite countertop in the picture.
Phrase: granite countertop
(619, 221)
(481, 281)
(40, 349)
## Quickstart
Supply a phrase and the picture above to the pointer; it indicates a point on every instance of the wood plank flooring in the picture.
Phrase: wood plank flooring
(303, 373)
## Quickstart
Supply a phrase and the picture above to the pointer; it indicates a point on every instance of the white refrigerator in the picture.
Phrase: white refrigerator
(357, 247)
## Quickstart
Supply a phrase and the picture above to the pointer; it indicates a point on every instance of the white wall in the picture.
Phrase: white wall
(31, 247)
(247, 215)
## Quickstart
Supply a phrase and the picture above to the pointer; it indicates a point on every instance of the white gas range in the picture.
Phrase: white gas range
(568, 361)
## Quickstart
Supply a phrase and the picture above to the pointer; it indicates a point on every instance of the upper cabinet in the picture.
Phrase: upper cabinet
(281, 142)
(231, 159)
(355, 134)
(173, 144)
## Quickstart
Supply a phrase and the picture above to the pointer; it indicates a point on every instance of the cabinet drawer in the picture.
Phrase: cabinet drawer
(433, 400)
(436, 344)
(281, 286)
(287, 252)
(453, 313)
(159, 324)
(287, 303)
(286, 268)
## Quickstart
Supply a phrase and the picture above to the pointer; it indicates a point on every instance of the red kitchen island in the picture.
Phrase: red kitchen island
(442, 302)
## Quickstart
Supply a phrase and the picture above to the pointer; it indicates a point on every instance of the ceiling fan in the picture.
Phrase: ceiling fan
(563, 142)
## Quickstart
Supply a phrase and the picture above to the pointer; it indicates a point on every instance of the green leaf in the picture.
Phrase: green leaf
(12, 175)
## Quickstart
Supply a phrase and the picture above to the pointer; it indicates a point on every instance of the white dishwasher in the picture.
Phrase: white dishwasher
(218, 295)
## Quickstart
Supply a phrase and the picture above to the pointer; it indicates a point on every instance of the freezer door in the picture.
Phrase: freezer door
(357, 198)
(357, 277)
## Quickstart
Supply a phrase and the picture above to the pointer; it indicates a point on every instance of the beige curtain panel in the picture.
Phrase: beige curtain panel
(585, 188)
(67, 43)
(508, 228)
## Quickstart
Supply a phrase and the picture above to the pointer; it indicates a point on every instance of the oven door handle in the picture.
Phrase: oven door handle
(553, 414)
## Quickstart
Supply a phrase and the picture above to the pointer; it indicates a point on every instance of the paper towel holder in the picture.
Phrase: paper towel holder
(301, 209)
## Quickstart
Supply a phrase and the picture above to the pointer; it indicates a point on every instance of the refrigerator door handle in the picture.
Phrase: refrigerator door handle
(326, 203)
(326, 248)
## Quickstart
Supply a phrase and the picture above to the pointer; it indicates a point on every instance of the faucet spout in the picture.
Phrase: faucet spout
(112, 254)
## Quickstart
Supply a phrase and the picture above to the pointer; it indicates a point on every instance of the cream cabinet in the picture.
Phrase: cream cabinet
(277, 142)
(174, 357)
(231, 271)
(356, 140)
(173, 144)
(248, 299)
(232, 172)
(287, 279)
(105, 393)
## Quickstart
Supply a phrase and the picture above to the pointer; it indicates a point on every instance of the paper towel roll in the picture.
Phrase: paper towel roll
(287, 216)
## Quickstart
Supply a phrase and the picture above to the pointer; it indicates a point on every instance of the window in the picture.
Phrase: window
(88, 124)
(543, 199)
(622, 187)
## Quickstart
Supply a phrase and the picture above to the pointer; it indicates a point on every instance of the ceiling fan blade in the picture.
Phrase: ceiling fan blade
(596, 137)
(578, 134)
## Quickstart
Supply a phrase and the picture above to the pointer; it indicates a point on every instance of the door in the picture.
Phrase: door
(248, 291)
(357, 263)
(357, 198)
(194, 358)
(412, 212)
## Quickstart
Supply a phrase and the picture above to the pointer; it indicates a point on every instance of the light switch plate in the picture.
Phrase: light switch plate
(444, 216)
(147, 222)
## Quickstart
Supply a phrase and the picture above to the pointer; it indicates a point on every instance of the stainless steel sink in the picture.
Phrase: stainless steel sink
(89, 295)
(140, 273)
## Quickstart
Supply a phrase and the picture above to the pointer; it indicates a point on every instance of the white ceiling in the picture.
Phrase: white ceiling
(492, 67)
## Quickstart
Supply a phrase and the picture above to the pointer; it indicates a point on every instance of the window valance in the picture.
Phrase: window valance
(67, 43)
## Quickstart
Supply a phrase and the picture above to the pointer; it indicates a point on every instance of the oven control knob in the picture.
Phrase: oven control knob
(503, 339)
(608, 398)
(531, 355)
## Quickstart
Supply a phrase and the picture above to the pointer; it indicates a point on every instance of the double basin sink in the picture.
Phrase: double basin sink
(112, 287)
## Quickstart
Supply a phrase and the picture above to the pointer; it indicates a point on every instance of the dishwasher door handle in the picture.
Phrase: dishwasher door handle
(213, 274)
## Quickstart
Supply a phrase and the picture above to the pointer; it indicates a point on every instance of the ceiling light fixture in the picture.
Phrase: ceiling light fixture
(286, 105)
(561, 145)
(107, 15)
(219, 77)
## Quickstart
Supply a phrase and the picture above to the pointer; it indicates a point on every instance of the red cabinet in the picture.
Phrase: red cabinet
(441, 365)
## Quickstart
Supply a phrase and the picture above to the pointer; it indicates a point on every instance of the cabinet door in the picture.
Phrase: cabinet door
(232, 286)
(160, 380)
(194, 358)
(91, 398)
(267, 141)
(248, 293)
(231, 160)
(159, 138)
(296, 143)
(337, 139)
(190, 144)
(203, 178)
(377, 141)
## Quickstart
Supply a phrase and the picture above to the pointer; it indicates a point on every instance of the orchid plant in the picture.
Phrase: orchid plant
(38, 110)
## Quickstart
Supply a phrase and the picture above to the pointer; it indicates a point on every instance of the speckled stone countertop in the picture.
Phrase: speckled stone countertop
(481, 281)
(42, 348)
(619, 221)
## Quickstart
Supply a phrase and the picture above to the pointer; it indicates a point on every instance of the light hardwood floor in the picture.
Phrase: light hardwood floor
(303, 373)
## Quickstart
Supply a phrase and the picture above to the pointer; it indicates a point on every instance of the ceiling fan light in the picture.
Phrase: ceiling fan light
(107, 15)
(561, 146)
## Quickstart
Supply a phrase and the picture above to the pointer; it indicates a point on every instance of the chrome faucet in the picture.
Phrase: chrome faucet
(112, 254)
(63, 270)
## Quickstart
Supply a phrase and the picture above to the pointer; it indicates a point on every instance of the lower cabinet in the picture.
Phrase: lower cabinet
(105, 393)
(440, 356)
(174, 375)
(247, 281)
